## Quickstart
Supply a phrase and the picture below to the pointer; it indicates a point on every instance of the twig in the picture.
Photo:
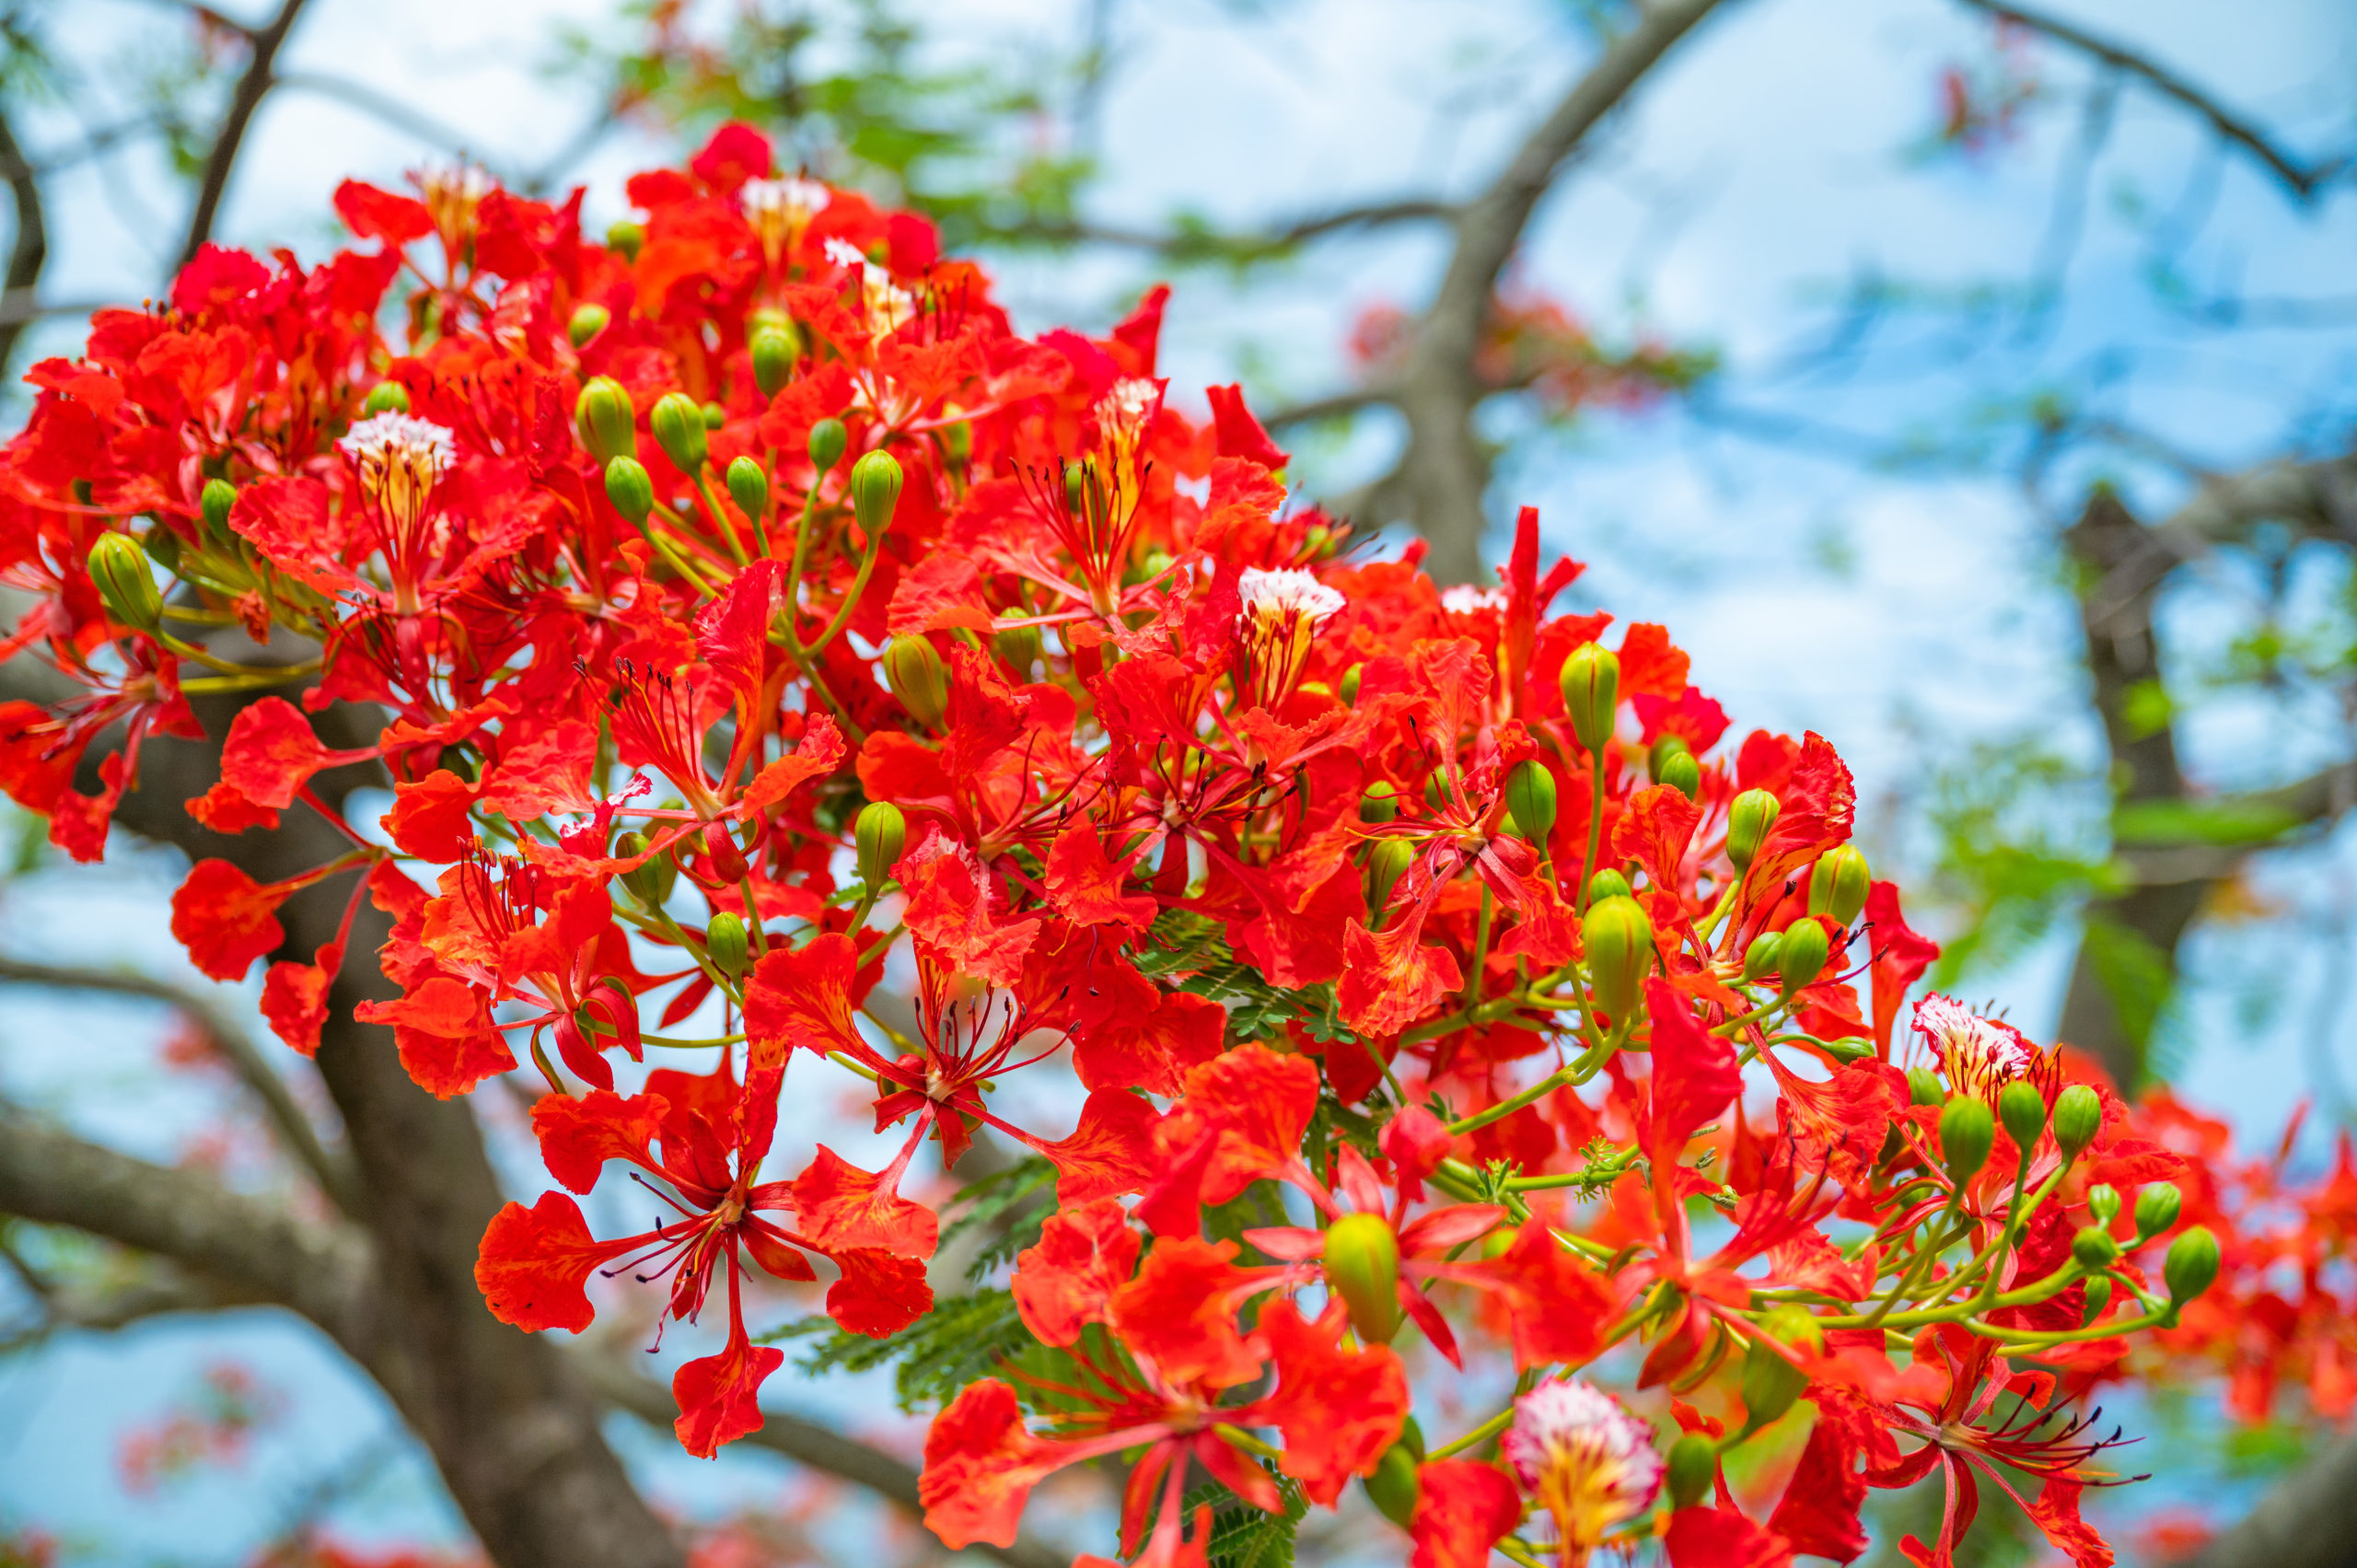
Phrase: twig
(30, 254)
(383, 106)
(252, 87)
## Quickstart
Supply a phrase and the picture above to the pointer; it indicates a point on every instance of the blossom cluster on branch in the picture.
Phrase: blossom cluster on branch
(751, 618)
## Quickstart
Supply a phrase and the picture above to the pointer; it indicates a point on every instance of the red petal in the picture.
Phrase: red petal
(1694, 1073)
(533, 1263)
(225, 919)
(1338, 1409)
(1180, 1313)
(1110, 1152)
(980, 1464)
(1463, 1508)
(838, 1205)
(879, 1293)
(579, 1135)
(1722, 1537)
(719, 1396)
(802, 996)
(1068, 1280)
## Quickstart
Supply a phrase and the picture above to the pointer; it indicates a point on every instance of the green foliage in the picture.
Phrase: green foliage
(2018, 844)
(1195, 949)
(2202, 821)
(1012, 1203)
(962, 1339)
(2135, 976)
(1246, 1537)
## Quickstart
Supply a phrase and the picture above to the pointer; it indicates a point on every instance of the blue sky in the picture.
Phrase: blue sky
(1761, 178)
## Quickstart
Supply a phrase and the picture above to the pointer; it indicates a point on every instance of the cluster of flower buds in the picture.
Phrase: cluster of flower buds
(760, 632)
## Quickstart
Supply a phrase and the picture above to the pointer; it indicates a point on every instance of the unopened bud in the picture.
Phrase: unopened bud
(2078, 1116)
(1837, 885)
(715, 416)
(1386, 863)
(876, 482)
(588, 320)
(1663, 748)
(631, 489)
(1620, 951)
(749, 486)
(2094, 1248)
(2157, 1207)
(626, 238)
(723, 941)
(1349, 690)
(1380, 803)
(2099, 1297)
(1759, 959)
(1923, 1088)
(1591, 682)
(1608, 883)
(2103, 1202)
(1770, 1384)
(679, 429)
(2191, 1264)
(774, 352)
(1021, 648)
(215, 505)
(1362, 1265)
(827, 439)
(386, 397)
(1530, 798)
(126, 587)
(1693, 1467)
(881, 832)
(602, 414)
(2022, 1111)
(651, 881)
(1682, 773)
(163, 547)
(1749, 817)
(1435, 792)
(1803, 957)
(1968, 1132)
(914, 671)
(1394, 1486)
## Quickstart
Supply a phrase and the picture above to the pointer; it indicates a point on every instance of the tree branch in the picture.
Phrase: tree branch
(804, 1442)
(2304, 1522)
(2303, 180)
(1192, 241)
(252, 87)
(333, 1172)
(30, 253)
(383, 106)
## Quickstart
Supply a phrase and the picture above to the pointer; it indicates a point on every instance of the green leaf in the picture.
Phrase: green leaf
(962, 1339)
(2134, 973)
(2202, 821)
(1245, 1536)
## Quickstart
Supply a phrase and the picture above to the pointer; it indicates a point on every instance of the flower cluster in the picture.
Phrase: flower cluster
(755, 627)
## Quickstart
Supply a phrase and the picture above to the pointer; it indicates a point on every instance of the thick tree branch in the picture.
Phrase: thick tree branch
(2303, 179)
(806, 1443)
(1198, 242)
(253, 86)
(332, 1171)
(2304, 1522)
(30, 251)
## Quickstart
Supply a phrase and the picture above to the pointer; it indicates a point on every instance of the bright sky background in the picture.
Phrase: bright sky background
(1768, 170)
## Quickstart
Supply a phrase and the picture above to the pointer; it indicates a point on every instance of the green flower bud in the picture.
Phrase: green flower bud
(1682, 773)
(1923, 1088)
(1608, 883)
(1021, 648)
(2099, 1297)
(1379, 804)
(1531, 799)
(1968, 1132)
(1759, 959)
(827, 439)
(1837, 885)
(651, 882)
(1362, 1265)
(1435, 792)
(386, 397)
(1349, 690)
(2191, 1264)
(1770, 1384)
(774, 352)
(2156, 1209)
(1803, 957)
(715, 416)
(1620, 951)
(876, 482)
(588, 320)
(2022, 1111)
(631, 489)
(912, 669)
(1693, 1467)
(219, 497)
(1393, 1486)
(1663, 748)
(1749, 817)
(2094, 1248)
(1386, 863)
(881, 831)
(1591, 682)
(603, 415)
(749, 486)
(126, 586)
(625, 236)
(2078, 1116)
(723, 941)
(2103, 1202)
(679, 429)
